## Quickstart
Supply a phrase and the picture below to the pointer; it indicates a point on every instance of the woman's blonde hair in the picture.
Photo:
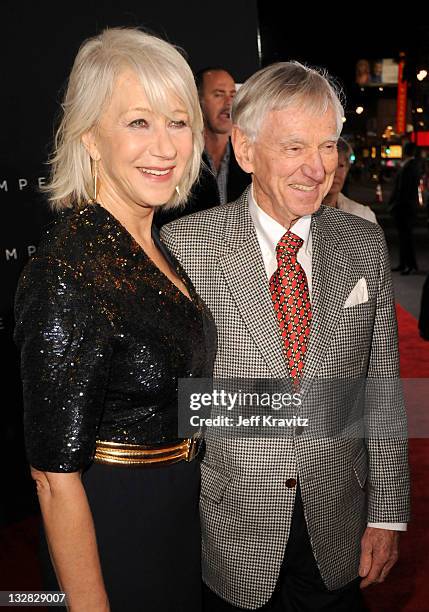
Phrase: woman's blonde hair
(163, 72)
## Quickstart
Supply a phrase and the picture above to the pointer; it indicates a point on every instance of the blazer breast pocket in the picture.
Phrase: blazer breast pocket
(358, 295)
(213, 483)
(362, 309)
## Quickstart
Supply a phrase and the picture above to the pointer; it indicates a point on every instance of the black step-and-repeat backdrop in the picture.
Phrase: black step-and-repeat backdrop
(39, 42)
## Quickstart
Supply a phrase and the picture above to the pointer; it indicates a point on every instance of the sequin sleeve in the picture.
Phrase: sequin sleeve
(65, 355)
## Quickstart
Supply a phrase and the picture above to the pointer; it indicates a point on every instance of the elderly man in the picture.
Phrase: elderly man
(301, 293)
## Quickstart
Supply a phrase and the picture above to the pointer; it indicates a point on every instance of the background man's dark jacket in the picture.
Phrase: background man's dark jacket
(205, 192)
(404, 199)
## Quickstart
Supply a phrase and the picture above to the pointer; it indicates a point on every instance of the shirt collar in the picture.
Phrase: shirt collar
(269, 231)
(225, 158)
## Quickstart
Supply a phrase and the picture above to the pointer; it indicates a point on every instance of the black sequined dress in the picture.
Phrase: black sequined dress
(104, 336)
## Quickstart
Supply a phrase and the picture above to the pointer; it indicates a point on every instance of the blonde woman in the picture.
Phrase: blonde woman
(107, 321)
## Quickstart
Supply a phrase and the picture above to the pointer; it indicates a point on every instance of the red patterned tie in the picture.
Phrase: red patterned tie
(291, 299)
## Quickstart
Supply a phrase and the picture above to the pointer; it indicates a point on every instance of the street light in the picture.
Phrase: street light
(422, 74)
(359, 110)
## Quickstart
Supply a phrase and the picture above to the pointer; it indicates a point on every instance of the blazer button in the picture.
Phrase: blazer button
(291, 483)
(299, 430)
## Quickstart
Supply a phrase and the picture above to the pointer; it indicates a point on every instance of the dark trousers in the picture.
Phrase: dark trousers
(300, 587)
(407, 252)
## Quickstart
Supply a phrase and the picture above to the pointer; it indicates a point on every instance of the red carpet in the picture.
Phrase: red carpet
(414, 352)
(406, 589)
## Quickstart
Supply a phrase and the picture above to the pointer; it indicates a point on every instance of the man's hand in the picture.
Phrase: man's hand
(379, 553)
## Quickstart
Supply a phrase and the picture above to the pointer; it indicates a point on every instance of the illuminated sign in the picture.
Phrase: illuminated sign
(391, 152)
(376, 73)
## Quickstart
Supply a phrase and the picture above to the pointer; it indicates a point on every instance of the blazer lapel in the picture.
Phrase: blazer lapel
(331, 284)
(244, 272)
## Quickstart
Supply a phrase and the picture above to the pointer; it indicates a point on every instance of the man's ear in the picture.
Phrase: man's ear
(90, 144)
(243, 149)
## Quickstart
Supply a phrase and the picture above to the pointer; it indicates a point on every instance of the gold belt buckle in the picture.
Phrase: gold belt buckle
(194, 446)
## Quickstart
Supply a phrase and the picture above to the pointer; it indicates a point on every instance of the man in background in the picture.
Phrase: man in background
(221, 180)
(335, 196)
(404, 203)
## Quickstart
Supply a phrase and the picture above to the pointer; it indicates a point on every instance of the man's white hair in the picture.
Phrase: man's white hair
(281, 86)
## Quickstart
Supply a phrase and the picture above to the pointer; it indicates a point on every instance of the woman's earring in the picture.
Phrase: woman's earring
(178, 190)
(95, 178)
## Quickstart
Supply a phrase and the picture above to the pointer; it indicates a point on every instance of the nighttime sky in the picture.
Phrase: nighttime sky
(336, 38)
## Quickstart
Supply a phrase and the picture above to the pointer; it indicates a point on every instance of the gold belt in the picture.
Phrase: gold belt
(115, 453)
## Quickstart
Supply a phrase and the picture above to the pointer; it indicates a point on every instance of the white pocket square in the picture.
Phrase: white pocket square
(358, 295)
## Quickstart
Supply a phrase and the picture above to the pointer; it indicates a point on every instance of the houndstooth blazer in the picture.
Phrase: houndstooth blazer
(246, 507)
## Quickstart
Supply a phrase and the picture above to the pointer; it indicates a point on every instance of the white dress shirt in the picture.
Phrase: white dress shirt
(350, 206)
(269, 231)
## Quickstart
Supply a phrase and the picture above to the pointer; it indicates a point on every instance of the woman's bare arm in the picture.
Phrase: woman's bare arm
(71, 537)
